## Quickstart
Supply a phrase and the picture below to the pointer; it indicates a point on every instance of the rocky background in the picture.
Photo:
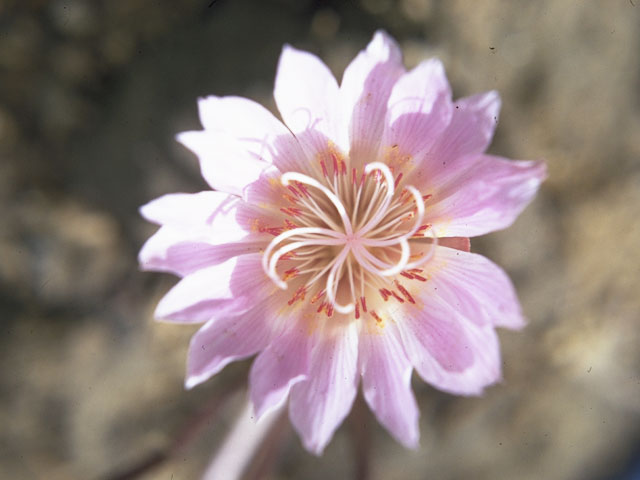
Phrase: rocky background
(91, 95)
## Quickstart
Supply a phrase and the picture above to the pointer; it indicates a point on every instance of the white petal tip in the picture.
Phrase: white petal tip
(191, 382)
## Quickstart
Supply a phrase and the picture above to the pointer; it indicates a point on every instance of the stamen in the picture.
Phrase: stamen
(370, 230)
(405, 292)
(367, 259)
(289, 176)
(429, 254)
(382, 210)
(268, 265)
(419, 216)
(331, 279)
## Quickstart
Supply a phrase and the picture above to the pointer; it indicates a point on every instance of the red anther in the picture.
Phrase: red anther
(375, 315)
(416, 270)
(289, 224)
(289, 198)
(329, 310)
(404, 292)
(291, 211)
(396, 296)
(419, 277)
(353, 176)
(385, 295)
(302, 188)
(357, 310)
(343, 167)
(321, 307)
(398, 178)
(299, 295)
(406, 274)
(324, 168)
(291, 273)
(275, 231)
(364, 304)
(426, 197)
(422, 229)
(317, 296)
(293, 190)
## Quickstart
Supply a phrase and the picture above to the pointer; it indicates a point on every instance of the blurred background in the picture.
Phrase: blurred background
(91, 96)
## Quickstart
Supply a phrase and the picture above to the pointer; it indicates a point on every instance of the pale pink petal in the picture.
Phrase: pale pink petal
(386, 383)
(228, 288)
(365, 89)
(224, 340)
(281, 365)
(484, 198)
(318, 405)
(419, 110)
(306, 93)
(243, 117)
(198, 230)
(176, 251)
(447, 350)
(475, 287)
(469, 133)
(225, 163)
(257, 130)
(212, 216)
(472, 125)
(188, 209)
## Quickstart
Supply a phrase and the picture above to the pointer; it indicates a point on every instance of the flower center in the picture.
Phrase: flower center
(348, 236)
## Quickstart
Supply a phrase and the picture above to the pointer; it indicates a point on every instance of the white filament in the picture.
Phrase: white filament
(379, 229)
(269, 266)
(289, 176)
(379, 215)
(332, 286)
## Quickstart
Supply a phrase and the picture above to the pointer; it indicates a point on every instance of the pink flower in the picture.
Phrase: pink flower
(336, 245)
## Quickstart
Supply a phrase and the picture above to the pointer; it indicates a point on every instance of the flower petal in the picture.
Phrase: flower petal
(281, 365)
(307, 97)
(364, 92)
(187, 210)
(476, 287)
(386, 383)
(225, 163)
(469, 133)
(225, 289)
(179, 252)
(198, 230)
(484, 198)
(318, 405)
(447, 350)
(224, 340)
(257, 130)
(420, 109)
(472, 126)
